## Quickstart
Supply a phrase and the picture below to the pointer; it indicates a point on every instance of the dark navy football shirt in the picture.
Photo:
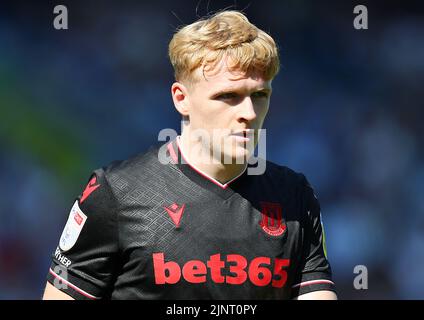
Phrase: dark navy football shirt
(142, 229)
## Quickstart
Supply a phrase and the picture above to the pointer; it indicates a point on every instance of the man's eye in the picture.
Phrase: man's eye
(227, 96)
(260, 94)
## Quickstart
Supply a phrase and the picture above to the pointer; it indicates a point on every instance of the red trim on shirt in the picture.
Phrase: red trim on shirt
(223, 186)
(172, 153)
(85, 294)
(312, 282)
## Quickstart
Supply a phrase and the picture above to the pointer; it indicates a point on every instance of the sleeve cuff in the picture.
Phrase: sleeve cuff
(77, 288)
(314, 281)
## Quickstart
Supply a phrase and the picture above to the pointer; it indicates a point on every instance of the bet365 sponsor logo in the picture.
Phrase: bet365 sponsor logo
(261, 271)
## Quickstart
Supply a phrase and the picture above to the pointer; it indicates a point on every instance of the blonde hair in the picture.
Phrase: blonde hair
(227, 34)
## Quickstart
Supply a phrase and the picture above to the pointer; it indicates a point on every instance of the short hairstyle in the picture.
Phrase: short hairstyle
(226, 34)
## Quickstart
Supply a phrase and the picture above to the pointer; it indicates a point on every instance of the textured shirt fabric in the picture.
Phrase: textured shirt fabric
(147, 230)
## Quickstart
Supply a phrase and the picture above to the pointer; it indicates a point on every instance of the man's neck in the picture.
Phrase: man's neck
(195, 154)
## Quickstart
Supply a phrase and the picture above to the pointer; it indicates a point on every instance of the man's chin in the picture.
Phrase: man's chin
(239, 156)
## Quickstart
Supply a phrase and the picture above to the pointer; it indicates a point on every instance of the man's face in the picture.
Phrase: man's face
(229, 107)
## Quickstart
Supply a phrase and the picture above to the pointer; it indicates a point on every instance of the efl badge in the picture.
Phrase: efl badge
(272, 219)
(73, 228)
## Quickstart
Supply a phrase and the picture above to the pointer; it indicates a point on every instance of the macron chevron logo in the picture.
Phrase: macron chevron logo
(175, 212)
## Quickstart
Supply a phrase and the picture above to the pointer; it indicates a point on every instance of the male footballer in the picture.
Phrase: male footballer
(198, 225)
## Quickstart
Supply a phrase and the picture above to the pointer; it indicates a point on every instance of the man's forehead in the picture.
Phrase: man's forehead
(226, 68)
(240, 83)
(225, 79)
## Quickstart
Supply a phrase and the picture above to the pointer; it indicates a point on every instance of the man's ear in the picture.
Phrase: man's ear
(181, 99)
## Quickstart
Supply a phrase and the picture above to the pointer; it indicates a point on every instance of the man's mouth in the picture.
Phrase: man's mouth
(244, 135)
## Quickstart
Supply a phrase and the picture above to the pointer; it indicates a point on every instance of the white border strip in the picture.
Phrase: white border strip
(86, 294)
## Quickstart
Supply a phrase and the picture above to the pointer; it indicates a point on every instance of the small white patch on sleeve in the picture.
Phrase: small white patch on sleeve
(73, 227)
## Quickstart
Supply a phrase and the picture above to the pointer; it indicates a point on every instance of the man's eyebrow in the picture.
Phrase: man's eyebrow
(229, 90)
(264, 89)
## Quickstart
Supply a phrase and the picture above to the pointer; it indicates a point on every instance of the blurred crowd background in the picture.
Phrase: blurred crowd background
(347, 111)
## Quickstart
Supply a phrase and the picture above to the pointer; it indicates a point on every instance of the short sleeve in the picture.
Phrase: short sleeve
(315, 271)
(85, 259)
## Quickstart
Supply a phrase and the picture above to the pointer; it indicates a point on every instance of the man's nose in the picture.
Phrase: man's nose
(247, 110)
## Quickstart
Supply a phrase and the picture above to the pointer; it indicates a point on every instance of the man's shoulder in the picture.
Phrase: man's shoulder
(284, 174)
(134, 171)
(136, 162)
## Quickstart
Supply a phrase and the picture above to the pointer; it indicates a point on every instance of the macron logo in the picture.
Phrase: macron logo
(175, 212)
(91, 186)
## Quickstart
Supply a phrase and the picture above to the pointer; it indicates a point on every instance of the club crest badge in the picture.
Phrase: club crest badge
(272, 221)
(73, 227)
